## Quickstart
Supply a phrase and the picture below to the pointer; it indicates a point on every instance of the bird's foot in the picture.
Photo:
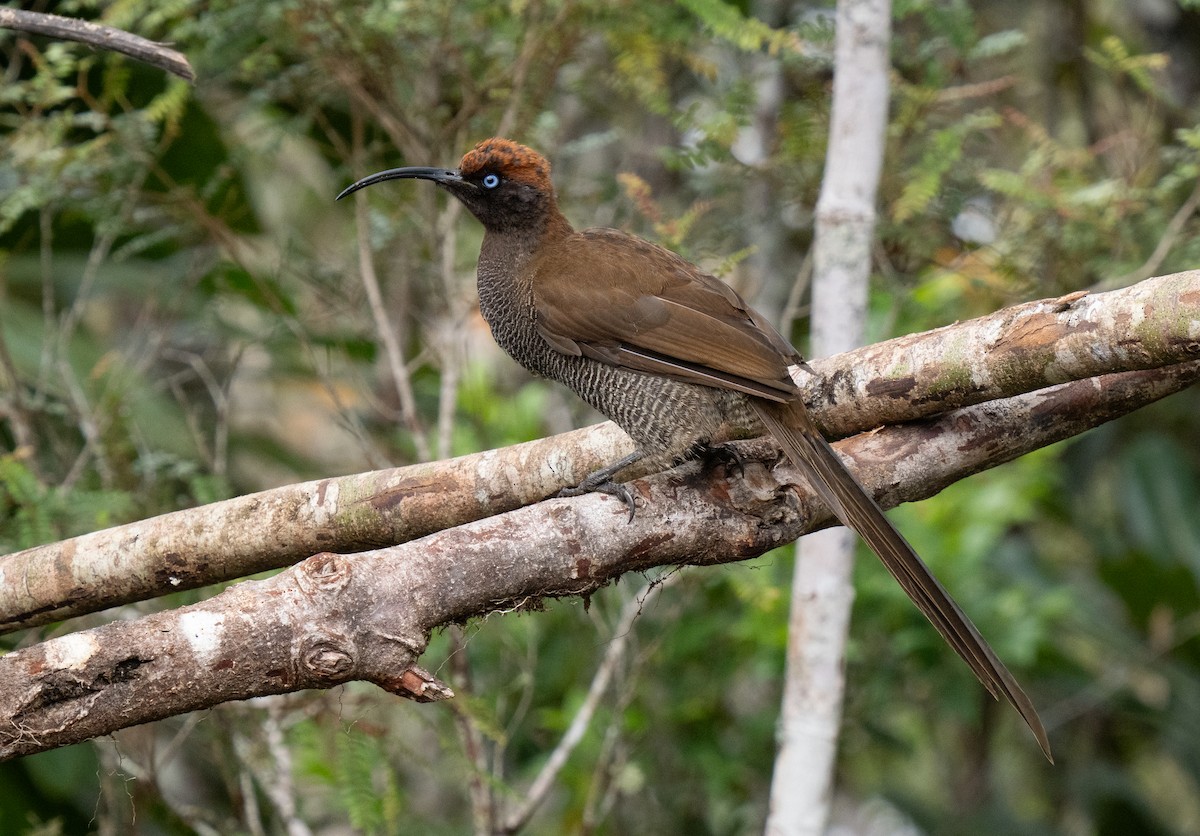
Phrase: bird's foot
(723, 455)
(603, 485)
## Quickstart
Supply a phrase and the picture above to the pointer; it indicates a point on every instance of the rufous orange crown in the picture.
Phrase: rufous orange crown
(510, 160)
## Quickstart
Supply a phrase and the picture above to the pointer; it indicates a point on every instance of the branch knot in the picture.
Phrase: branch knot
(324, 572)
(328, 657)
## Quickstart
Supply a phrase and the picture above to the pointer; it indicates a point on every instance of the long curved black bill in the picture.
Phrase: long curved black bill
(441, 176)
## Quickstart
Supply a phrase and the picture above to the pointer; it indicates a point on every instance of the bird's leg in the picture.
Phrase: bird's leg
(601, 481)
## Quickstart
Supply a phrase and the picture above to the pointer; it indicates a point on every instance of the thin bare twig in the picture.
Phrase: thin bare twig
(251, 815)
(383, 326)
(92, 442)
(218, 393)
(101, 37)
(89, 424)
(199, 818)
(46, 267)
(791, 308)
(97, 255)
(449, 346)
(402, 136)
(1165, 243)
(16, 410)
(266, 756)
(452, 359)
(613, 656)
(483, 802)
(518, 74)
(281, 788)
(977, 90)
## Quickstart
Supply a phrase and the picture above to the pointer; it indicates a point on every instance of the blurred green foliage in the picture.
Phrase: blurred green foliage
(183, 317)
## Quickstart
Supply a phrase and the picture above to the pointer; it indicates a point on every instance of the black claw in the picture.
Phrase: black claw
(609, 487)
(724, 455)
(626, 496)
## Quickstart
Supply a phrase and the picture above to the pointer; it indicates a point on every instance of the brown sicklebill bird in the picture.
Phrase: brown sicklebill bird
(671, 354)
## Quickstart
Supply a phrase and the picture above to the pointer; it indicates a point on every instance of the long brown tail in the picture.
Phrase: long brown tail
(793, 428)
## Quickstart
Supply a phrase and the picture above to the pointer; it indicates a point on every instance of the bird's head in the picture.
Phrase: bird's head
(505, 185)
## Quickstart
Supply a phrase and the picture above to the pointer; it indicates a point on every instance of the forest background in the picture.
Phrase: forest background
(184, 317)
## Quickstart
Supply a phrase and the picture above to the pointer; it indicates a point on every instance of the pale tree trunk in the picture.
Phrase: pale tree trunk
(822, 593)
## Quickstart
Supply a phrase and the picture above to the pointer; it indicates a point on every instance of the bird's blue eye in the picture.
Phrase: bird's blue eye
(491, 181)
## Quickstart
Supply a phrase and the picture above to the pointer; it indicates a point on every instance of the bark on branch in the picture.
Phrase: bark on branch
(1021, 349)
(101, 37)
(368, 616)
(1018, 349)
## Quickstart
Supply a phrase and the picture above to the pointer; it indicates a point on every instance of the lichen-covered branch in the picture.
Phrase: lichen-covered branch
(1020, 349)
(275, 528)
(368, 616)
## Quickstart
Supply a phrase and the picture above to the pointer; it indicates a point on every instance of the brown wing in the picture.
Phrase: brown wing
(643, 307)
